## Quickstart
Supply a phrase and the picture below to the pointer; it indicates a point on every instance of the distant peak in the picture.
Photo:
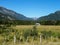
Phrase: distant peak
(35, 18)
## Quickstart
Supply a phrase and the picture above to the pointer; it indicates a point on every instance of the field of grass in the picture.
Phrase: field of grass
(35, 42)
(39, 28)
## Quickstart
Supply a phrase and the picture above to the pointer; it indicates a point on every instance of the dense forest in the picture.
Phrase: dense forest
(48, 22)
(31, 22)
(17, 22)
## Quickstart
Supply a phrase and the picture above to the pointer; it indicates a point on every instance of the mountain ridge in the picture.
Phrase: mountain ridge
(12, 15)
(51, 16)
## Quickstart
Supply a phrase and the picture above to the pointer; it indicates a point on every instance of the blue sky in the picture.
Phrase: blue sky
(32, 8)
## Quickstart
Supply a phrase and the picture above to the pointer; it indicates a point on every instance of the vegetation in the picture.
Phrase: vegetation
(17, 22)
(49, 22)
(28, 33)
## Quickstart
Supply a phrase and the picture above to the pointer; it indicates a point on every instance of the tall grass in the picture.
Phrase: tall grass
(29, 34)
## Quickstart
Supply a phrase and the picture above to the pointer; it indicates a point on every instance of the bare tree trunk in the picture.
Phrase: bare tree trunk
(14, 39)
(33, 40)
(40, 39)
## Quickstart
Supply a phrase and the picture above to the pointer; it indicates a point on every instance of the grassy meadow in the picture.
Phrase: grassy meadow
(21, 30)
(39, 28)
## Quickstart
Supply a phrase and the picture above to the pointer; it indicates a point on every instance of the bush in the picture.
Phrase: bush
(27, 33)
(46, 34)
(33, 33)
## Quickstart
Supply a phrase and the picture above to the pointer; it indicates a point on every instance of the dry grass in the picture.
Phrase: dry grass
(36, 43)
(39, 28)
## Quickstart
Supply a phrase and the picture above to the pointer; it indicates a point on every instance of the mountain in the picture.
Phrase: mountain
(52, 16)
(11, 15)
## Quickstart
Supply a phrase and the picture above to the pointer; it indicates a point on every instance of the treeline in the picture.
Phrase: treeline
(30, 22)
(48, 22)
(18, 22)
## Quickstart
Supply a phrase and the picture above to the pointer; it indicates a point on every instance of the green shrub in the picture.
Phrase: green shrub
(27, 33)
(46, 34)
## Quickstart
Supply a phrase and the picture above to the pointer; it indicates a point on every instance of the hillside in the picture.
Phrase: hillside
(51, 16)
(11, 15)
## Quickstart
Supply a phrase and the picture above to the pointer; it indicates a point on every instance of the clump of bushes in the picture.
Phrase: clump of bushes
(46, 34)
(33, 33)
